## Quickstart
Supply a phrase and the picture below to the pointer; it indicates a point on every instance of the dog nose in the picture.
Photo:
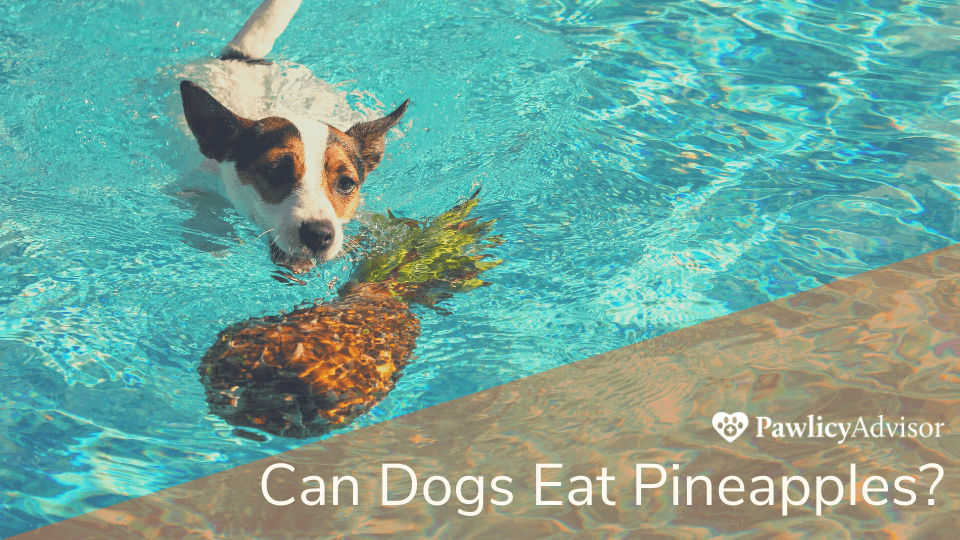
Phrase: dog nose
(317, 236)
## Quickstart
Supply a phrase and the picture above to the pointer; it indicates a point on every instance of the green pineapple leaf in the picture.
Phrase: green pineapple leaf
(426, 262)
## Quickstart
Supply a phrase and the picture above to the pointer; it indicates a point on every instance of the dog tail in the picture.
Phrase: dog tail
(254, 41)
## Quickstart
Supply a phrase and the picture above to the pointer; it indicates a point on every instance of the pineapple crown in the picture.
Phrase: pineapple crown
(426, 262)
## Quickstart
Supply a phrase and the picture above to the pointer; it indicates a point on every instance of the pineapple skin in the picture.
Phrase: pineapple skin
(307, 372)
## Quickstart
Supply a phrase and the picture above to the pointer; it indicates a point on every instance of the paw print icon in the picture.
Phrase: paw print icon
(730, 426)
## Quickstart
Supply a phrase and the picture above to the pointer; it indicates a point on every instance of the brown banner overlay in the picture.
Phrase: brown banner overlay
(885, 342)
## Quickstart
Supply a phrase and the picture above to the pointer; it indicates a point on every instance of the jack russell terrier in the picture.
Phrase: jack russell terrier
(293, 175)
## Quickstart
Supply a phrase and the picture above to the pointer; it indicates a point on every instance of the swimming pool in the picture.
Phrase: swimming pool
(652, 165)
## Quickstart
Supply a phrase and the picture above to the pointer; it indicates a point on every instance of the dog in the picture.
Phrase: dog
(292, 174)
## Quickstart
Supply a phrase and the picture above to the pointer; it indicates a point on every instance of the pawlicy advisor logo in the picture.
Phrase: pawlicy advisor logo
(730, 426)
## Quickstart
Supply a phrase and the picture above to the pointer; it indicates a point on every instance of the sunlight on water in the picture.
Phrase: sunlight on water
(652, 165)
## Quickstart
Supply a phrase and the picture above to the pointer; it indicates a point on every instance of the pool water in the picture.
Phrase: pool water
(651, 164)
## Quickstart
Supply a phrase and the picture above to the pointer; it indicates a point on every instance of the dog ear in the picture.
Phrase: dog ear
(372, 135)
(214, 126)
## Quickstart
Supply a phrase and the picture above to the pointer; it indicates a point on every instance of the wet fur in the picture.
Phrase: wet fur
(280, 163)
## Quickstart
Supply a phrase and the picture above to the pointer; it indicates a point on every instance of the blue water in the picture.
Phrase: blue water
(652, 165)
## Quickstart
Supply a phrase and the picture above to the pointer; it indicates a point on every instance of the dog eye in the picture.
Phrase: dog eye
(278, 172)
(346, 185)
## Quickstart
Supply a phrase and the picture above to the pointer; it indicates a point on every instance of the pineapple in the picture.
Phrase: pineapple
(317, 368)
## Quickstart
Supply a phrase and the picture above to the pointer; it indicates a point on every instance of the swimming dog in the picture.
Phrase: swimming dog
(289, 172)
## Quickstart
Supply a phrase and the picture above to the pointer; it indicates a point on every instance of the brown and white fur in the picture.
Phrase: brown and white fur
(291, 173)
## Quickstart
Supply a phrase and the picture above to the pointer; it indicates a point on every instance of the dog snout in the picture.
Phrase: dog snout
(317, 236)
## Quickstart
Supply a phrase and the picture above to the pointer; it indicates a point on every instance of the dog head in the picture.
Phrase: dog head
(296, 178)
